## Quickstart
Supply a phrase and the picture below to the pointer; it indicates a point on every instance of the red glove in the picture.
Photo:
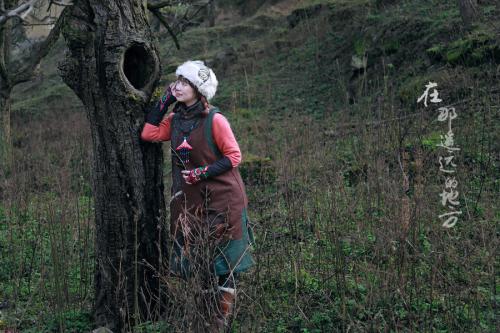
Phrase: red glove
(156, 113)
(193, 176)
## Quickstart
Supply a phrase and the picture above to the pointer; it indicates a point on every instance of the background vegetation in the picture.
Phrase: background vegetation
(340, 164)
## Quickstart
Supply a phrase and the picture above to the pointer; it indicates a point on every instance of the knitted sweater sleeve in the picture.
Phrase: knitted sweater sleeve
(157, 133)
(224, 139)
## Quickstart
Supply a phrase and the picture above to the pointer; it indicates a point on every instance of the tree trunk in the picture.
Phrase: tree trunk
(5, 135)
(5, 93)
(211, 13)
(113, 67)
(468, 11)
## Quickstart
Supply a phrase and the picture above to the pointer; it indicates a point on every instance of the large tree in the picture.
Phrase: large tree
(113, 66)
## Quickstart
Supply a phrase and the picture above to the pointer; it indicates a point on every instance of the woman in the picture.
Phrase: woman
(206, 184)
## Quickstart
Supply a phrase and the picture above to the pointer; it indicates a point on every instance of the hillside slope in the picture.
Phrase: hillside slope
(340, 161)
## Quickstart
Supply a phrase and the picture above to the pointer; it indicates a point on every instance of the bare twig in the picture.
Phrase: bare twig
(41, 51)
(156, 6)
(25, 9)
(5, 30)
(161, 18)
(63, 3)
(20, 11)
(187, 18)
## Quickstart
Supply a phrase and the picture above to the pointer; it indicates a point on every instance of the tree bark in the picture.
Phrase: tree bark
(113, 67)
(211, 13)
(468, 11)
(5, 93)
(5, 136)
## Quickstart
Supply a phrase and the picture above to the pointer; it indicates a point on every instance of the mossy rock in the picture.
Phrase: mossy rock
(305, 13)
(257, 170)
(360, 47)
(472, 50)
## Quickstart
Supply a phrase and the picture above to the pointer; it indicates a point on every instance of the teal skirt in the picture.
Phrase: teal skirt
(232, 256)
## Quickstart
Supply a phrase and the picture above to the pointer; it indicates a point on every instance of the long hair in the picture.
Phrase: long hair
(205, 103)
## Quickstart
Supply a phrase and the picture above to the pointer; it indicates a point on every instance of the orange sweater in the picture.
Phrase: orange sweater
(221, 131)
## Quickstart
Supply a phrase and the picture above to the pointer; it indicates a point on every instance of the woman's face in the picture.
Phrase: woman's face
(183, 91)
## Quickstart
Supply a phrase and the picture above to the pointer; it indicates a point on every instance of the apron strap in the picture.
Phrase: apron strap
(208, 132)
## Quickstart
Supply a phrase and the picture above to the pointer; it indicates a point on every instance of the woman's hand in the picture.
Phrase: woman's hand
(195, 175)
(156, 113)
(169, 96)
(173, 88)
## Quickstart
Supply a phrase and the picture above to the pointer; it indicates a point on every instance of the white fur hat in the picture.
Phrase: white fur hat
(199, 75)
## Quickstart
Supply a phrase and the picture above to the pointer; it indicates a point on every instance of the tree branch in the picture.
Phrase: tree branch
(161, 18)
(200, 6)
(152, 5)
(42, 50)
(5, 30)
(20, 11)
(155, 6)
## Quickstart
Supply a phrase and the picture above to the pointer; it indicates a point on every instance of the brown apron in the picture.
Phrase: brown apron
(223, 195)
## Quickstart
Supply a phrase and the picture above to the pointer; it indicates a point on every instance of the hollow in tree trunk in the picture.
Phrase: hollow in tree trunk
(112, 65)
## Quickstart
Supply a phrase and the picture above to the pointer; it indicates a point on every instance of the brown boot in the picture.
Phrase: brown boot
(226, 308)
